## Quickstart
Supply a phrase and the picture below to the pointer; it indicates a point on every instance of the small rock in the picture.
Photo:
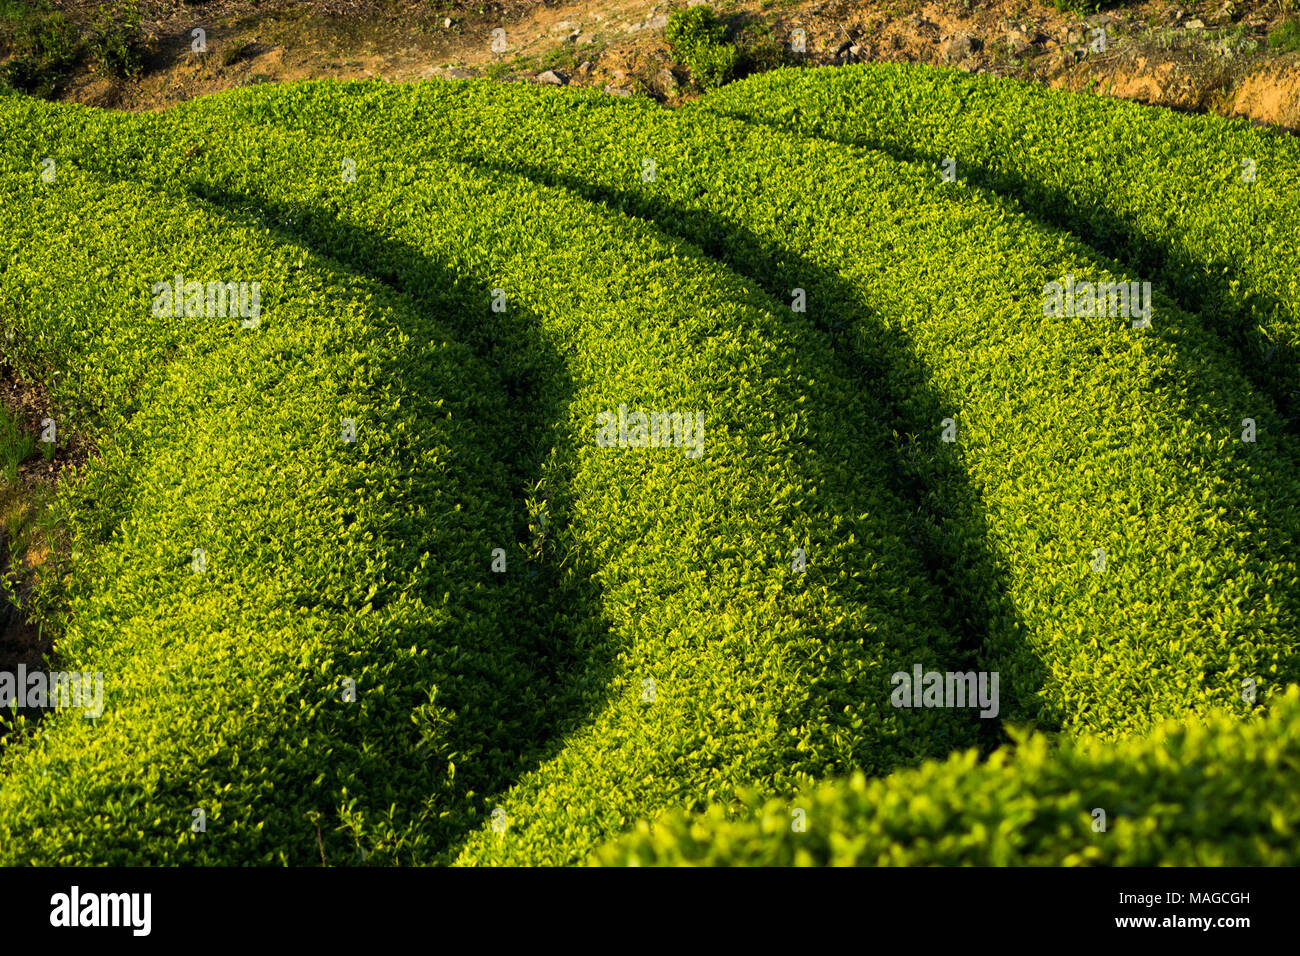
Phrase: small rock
(584, 66)
(855, 50)
(666, 81)
(551, 77)
(1195, 24)
(446, 24)
(613, 90)
(960, 47)
(1073, 36)
(460, 73)
(657, 23)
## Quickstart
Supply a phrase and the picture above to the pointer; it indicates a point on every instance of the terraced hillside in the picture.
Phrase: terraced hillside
(571, 461)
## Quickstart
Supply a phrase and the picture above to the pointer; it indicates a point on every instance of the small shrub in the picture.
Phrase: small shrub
(698, 40)
(694, 26)
(1286, 38)
(233, 52)
(117, 41)
(713, 66)
(47, 48)
(766, 53)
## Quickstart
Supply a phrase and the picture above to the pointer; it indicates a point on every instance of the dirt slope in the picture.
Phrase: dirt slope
(1206, 56)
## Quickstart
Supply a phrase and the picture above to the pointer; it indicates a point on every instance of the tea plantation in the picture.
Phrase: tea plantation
(382, 567)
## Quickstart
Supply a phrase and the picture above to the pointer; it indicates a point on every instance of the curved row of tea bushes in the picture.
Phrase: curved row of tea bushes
(541, 137)
(1208, 208)
(727, 614)
(1223, 792)
(762, 676)
(235, 562)
(1100, 525)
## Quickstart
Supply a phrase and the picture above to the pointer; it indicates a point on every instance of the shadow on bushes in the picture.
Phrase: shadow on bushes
(510, 687)
(938, 511)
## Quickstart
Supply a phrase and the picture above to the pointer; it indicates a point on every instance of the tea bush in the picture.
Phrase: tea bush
(1218, 793)
(765, 676)
(652, 642)
(698, 40)
(1202, 205)
(885, 252)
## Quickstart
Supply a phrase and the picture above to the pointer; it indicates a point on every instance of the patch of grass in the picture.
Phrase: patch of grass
(1169, 38)
(1286, 37)
(561, 58)
(16, 446)
(1088, 6)
(16, 11)
(231, 54)
(47, 48)
(1237, 41)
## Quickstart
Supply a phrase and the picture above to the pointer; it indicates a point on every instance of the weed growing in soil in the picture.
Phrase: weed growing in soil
(16, 446)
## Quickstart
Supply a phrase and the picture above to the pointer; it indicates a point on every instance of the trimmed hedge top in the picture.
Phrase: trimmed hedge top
(1206, 207)
(1144, 425)
(473, 275)
(1223, 792)
(666, 568)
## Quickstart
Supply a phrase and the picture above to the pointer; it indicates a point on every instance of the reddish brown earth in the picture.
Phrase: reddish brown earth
(1210, 55)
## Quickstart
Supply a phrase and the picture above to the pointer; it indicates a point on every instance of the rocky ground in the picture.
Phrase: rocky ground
(1213, 55)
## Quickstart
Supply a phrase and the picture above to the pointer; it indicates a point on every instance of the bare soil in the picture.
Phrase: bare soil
(1210, 55)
